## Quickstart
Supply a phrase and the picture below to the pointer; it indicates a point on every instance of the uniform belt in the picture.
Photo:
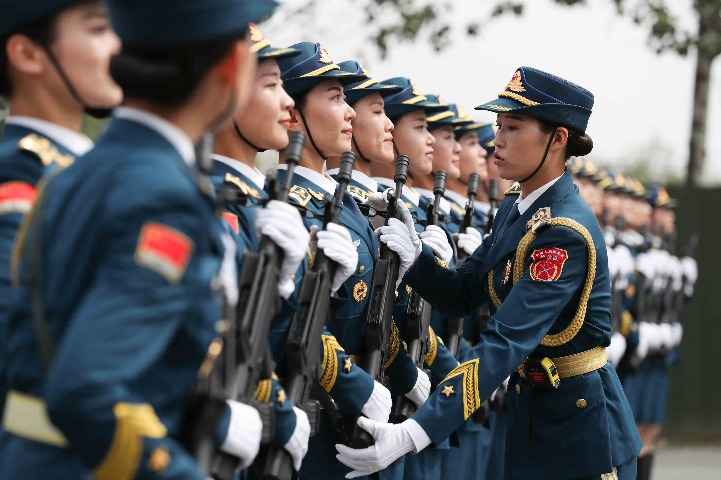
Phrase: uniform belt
(26, 416)
(576, 364)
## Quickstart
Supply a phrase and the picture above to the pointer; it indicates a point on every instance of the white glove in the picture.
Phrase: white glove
(436, 238)
(378, 405)
(282, 223)
(244, 433)
(420, 391)
(337, 244)
(643, 341)
(690, 271)
(379, 202)
(677, 333)
(616, 349)
(391, 443)
(395, 236)
(470, 240)
(665, 332)
(297, 446)
(503, 387)
(646, 265)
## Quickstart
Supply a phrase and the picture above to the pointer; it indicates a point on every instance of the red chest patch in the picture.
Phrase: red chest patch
(548, 264)
(232, 220)
(163, 250)
(16, 197)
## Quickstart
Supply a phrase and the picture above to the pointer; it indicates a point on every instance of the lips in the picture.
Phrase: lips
(497, 159)
(285, 123)
(388, 140)
(348, 131)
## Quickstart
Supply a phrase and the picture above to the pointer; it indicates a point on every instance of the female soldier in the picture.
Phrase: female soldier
(544, 270)
(54, 61)
(120, 269)
(316, 85)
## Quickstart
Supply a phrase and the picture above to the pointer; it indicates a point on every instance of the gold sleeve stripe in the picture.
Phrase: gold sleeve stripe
(573, 328)
(430, 355)
(492, 290)
(330, 362)
(395, 345)
(262, 393)
(133, 422)
(471, 396)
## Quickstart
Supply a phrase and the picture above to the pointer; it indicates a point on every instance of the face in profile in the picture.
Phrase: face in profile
(446, 152)
(413, 139)
(520, 145)
(372, 129)
(473, 157)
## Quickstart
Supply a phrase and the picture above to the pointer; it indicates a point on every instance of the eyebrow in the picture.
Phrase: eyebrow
(334, 88)
(101, 13)
(515, 117)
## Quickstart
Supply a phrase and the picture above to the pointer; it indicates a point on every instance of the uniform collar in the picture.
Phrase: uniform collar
(360, 177)
(321, 180)
(457, 197)
(408, 192)
(482, 206)
(250, 173)
(175, 136)
(77, 143)
(444, 204)
(525, 203)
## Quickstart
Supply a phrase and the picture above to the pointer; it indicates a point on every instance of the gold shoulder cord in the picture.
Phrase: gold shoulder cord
(569, 332)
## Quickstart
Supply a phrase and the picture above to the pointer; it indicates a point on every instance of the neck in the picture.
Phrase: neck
(482, 195)
(308, 159)
(383, 170)
(41, 104)
(228, 144)
(541, 178)
(424, 181)
(184, 117)
(457, 186)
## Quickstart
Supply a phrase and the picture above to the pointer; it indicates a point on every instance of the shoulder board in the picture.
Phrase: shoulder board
(540, 219)
(357, 192)
(514, 189)
(300, 195)
(244, 187)
(316, 195)
(458, 209)
(44, 150)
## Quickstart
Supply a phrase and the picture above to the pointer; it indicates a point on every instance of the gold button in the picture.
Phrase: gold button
(518, 389)
(581, 403)
(362, 269)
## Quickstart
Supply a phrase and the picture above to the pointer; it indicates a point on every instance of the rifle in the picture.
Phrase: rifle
(418, 312)
(454, 326)
(379, 318)
(302, 360)
(246, 355)
(493, 201)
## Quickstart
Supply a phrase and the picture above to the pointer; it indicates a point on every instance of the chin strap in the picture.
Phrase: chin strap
(310, 137)
(245, 139)
(94, 112)
(543, 160)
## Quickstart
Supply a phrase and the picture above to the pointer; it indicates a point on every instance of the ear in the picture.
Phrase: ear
(24, 55)
(295, 124)
(560, 138)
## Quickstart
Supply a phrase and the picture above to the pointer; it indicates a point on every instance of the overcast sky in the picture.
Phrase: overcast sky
(642, 100)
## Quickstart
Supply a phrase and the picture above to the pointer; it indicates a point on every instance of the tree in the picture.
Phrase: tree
(406, 20)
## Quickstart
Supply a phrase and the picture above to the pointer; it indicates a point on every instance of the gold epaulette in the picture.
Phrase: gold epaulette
(300, 195)
(458, 209)
(357, 192)
(330, 366)
(244, 187)
(514, 189)
(45, 150)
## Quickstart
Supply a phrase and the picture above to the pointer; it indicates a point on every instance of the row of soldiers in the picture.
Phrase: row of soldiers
(134, 345)
(651, 280)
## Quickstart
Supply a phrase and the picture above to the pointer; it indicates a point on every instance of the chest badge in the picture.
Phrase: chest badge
(359, 291)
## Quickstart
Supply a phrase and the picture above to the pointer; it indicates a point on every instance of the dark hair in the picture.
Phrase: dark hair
(168, 75)
(579, 144)
(43, 32)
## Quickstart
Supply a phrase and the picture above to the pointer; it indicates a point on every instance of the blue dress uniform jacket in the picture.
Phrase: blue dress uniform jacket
(24, 155)
(130, 246)
(584, 428)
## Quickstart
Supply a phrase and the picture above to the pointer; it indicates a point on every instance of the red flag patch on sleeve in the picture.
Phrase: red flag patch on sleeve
(16, 197)
(163, 250)
(232, 220)
(548, 264)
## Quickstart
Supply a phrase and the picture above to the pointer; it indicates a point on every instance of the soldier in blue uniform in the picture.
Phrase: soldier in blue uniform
(53, 65)
(123, 260)
(316, 85)
(544, 270)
